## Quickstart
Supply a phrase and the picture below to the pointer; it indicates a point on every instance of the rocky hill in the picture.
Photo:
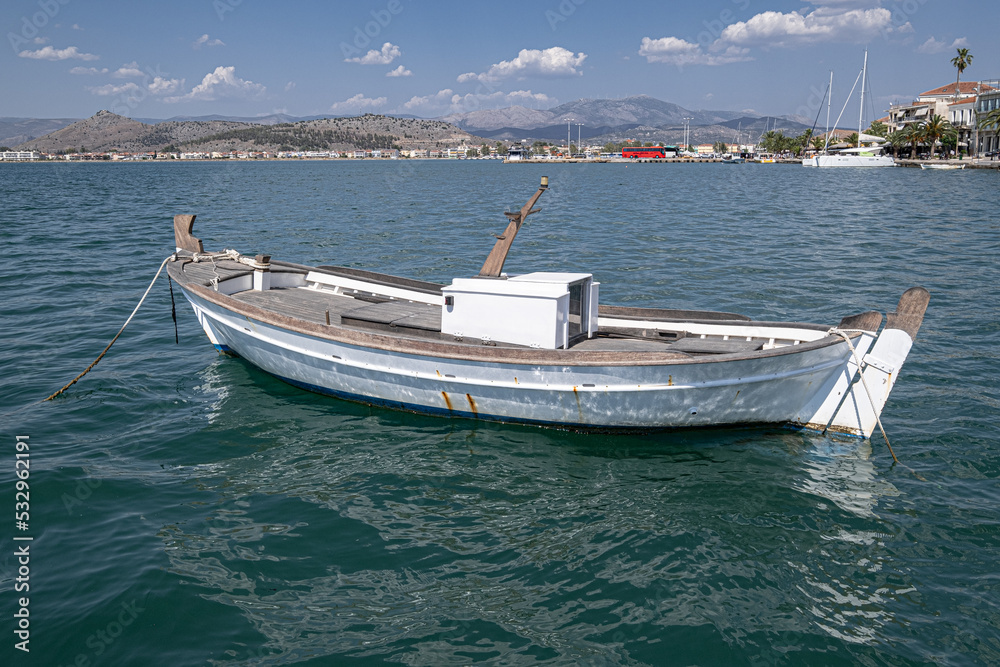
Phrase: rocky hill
(341, 134)
(106, 131)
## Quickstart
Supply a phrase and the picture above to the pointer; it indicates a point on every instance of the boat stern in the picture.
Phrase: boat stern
(869, 389)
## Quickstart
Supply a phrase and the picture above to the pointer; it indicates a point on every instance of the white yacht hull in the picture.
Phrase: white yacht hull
(852, 161)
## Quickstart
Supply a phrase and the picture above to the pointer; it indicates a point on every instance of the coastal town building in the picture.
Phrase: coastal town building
(20, 156)
(934, 102)
(986, 139)
(974, 99)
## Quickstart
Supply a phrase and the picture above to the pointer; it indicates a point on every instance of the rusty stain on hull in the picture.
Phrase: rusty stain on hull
(447, 401)
(472, 404)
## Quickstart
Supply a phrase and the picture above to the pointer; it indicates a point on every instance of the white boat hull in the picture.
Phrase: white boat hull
(801, 388)
(850, 160)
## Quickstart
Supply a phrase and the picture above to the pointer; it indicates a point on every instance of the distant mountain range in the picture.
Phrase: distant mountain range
(16, 131)
(601, 120)
(638, 117)
(636, 110)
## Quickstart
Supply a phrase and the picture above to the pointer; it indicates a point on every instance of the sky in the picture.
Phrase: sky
(72, 58)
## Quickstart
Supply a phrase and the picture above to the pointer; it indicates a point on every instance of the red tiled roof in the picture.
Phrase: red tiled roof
(965, 100)
(964, 88)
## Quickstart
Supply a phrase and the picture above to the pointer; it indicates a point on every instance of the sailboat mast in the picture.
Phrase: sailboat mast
(861, 114)
(829, 100)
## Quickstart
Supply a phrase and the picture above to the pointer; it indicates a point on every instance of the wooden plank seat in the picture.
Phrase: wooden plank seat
(405, 314)
(693, 345)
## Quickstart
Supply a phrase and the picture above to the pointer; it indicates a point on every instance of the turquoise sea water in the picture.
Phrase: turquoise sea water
(188, 509)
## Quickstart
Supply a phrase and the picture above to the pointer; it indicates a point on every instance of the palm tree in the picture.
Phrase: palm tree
(769, 140)
(961, 61)
(897, 140)
(990, 119)
(806, 137)
(935, 128)
(877, 128)
(914, 135)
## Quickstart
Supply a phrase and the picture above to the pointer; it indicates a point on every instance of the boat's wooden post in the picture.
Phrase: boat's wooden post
(182, 234)
(494, 263)
(262, 273)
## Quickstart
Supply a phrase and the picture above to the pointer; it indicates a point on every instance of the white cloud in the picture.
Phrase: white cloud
(357, 103)
(112, 89)
(388, 53)
(88, 70)
(289, 86)
(76, 26)
(552, 62)
(128, 70)
(220, 84)
(680, 52)
(399, 71)
(932, 45)
(40, 40)
(161, 86)
(834, 21)
(447, 101)
(441, 98)
(50, 53)
(205, 41)
(770, 29)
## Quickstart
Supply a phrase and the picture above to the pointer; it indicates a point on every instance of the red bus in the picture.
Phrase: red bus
(650, 151)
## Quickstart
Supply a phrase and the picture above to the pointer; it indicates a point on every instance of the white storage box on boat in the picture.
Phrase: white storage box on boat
(543, 310)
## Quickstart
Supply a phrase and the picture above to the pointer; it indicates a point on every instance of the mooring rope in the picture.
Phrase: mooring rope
(173, 308)
(211, 256)
(101, 355)
(134, 311)
(847, 339)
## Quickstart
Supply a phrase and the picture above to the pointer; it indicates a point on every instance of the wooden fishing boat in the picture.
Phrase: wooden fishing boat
(539, 348)
(943, 167)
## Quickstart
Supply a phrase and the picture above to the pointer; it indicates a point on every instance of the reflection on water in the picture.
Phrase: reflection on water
(429, 541)
(851, 608)
(842, 472)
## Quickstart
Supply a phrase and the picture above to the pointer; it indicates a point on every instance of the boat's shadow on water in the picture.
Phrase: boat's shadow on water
(334, 528)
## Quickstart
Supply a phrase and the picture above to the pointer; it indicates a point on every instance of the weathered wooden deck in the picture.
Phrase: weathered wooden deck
(367, 311)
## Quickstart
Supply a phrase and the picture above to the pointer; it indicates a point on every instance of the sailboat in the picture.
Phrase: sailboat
(868, 156)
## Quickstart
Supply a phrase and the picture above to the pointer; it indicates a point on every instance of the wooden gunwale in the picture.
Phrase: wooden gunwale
(401, 344)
